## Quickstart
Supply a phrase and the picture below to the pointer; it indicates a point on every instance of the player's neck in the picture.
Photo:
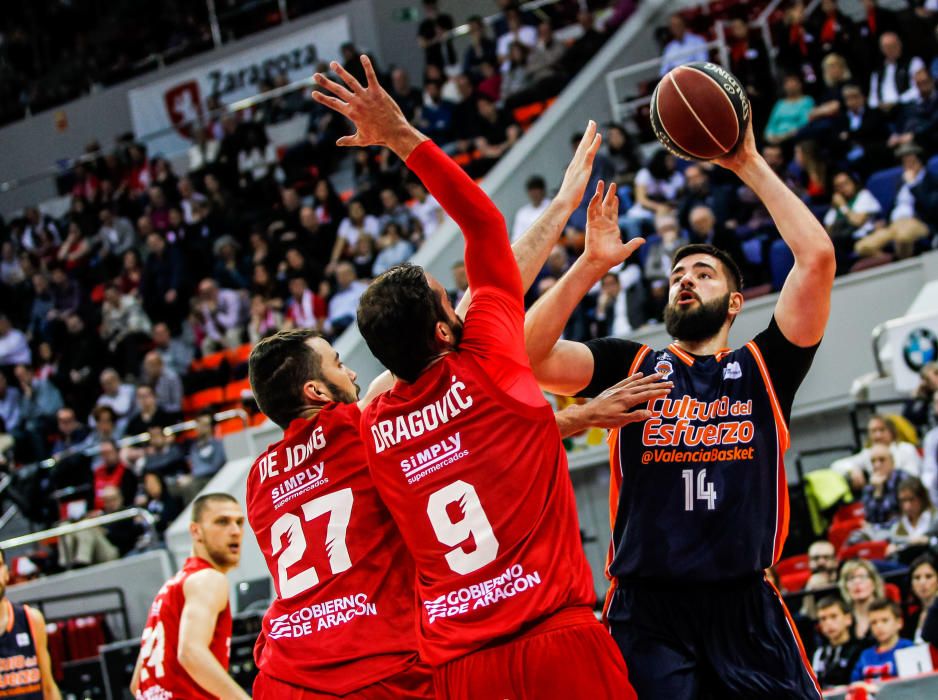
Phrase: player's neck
(707, 346)
(199, 553)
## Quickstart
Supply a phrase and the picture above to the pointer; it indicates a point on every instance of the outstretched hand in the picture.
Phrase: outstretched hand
(376, 116)
(613, 407)
(577, 175)
(603, 240)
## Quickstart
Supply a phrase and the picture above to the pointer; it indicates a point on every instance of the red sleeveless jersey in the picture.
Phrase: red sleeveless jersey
(161, 675)
(479, 486)
(344, 616)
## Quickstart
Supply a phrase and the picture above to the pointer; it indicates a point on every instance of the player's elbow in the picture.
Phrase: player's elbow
(188, 656)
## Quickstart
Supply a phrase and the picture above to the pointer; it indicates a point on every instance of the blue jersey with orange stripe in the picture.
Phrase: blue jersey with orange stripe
(699, 491)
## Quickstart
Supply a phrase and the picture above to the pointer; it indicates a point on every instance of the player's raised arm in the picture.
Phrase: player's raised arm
(562, 366)
(206, 596)
(379, 122)
(804, 303)
(533, 247)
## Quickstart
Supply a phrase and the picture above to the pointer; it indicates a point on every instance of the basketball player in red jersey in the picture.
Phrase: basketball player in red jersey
(342, 624)
(465, 452)
(699, 489)
(187, 638)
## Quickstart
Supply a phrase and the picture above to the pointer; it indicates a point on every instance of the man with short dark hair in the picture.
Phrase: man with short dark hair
(537, 203)
(24, 652)
(187, 639)
(464, 447)
(700, 486)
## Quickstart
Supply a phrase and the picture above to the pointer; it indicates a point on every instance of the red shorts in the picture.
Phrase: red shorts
(416, 683)
(568, 655)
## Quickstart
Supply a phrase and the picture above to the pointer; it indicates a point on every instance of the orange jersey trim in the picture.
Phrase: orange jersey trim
(794, 633)
(684, 357)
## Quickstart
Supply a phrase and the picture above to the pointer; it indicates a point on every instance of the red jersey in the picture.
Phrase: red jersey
(162, 676)
(344, 615)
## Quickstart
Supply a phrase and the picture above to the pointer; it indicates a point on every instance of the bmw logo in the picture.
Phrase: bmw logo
(921, 347)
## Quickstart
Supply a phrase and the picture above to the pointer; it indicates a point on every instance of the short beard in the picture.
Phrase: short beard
(340, 395)
(695, 324)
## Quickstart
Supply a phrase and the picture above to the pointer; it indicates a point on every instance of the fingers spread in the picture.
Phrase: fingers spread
(633, 245)
(347, 77)
(333, 87)
(371, 78)
(331, 102)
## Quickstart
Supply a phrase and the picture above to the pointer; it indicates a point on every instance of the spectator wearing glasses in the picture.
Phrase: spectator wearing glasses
(822, 560)
(860, 584)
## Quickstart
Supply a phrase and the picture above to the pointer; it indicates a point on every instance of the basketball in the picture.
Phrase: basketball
(699, 111)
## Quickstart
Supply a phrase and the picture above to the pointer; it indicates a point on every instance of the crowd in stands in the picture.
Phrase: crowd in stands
(110, 315)
(52, 52)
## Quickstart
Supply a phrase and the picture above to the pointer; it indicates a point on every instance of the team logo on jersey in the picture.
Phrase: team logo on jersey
(513, 581)
(732, 371)
(321, 616)
(432, 459)
(22, 639)
(664, 368)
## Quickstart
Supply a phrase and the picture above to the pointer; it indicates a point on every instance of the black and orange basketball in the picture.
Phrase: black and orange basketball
(699, 111)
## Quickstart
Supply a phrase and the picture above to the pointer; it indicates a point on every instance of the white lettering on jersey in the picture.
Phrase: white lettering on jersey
(392, 431)
(290, 456)
(320, 616)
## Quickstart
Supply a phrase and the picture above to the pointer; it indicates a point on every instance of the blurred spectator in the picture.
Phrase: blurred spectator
(859, 132)
(749, 62)
(263, 319)
(206, 457)
(544, 71)
(860, 584)
(148, 413)
(517, 31)
(109, 470)
(684, 46)
(305, 308)
(497, 133)
(221, 314)
(98, 545)
(158, 500)
(427, 212)
(620, 303)
(822, 119)
(658, 257)
(343, 303)
(918, 119)
(227, 272)
(538, 201)
(125, 327)
(822, 561)
(923, 578)
(930, 455)
(790, 113)
(78, 368)
(918, 521)
(851, 216)
(880, 431)
(104, 426)
(437, 51)
(162, 282)
(481, 48)
(14, 348)
(460, 281)
(393, 249)
(435, 116)
(703, 227)
(116, 395)
(621, 153)
(701, 190)
(915, 209)
(166, 384)
(834, 29)
(174, 353)
(881, 495)
(656, 188)
(162, 455)
(585, 46)
(357, 223)
(836, 657)
(115, 236)
(40, 400)
(408, 97)
(878, 663)
(892, 82)
(876, 21)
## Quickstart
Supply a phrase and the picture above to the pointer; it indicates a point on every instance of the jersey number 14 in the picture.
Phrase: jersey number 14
(706, 491)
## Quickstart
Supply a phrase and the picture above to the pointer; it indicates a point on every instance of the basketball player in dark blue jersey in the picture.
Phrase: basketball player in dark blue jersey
(702, 504)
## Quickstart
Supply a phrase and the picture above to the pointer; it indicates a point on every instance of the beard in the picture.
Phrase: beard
(696, 323)
(340, 395)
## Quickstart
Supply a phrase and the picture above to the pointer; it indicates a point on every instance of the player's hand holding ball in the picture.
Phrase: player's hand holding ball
(700, 111)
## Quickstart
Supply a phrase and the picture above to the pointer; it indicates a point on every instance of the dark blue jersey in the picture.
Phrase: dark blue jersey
(699, 489)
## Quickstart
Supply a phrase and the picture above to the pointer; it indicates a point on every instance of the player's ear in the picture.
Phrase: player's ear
(444, 335)
(195, 532)
(316, 392)
(736, 303)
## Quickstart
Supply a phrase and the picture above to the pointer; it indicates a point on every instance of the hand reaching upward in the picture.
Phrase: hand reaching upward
(377, 118)
(604, 245)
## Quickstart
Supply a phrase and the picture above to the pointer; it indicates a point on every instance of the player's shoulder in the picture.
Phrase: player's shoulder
(616, 349)
(207, 584)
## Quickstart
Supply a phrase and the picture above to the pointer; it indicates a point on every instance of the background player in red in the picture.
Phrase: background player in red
(699, 488)
(465, 452)
(187, 639)
(24, 649)
(301, 384)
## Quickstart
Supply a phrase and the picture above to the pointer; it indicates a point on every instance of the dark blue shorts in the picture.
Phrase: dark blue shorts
(714, 640)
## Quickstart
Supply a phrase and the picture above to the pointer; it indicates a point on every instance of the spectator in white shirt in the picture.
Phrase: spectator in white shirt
(357, 223)
(426, 210)
(14, 348)
(393, 249)
(538, 201)
(9, 404)
(892, 83)
(119, 397)
(166, 384)
(852, 215)
(620, 302)
(221, 312)
(517, 31)
(684, 47)
(344, 302)
(880, 431)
